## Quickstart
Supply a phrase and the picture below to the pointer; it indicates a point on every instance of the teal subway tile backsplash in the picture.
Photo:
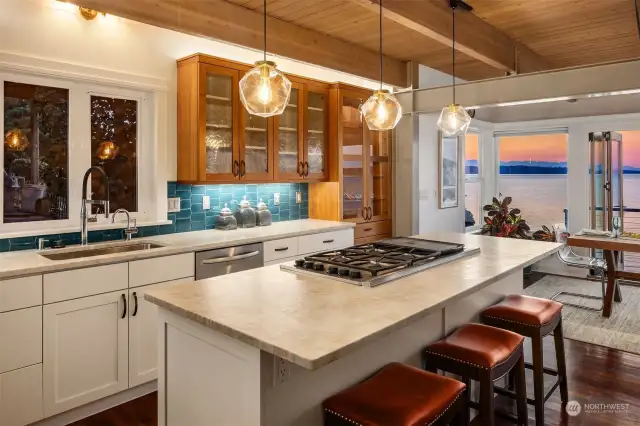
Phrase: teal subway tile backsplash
(192, 216)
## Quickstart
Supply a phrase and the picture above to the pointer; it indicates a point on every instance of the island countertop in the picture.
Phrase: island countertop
(312, 321)
(29, 262)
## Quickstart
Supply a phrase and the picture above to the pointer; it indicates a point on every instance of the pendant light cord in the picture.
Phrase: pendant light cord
(453, 51)
(264, 26)
(380, 44)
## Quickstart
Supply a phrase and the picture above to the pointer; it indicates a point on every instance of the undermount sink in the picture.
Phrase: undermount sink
(75, 253)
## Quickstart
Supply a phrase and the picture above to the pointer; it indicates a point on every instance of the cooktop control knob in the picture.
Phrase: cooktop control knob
(299, 262)
(333, 269)
(308, 265)
(318, 266)
(355, 274)
(344, 272)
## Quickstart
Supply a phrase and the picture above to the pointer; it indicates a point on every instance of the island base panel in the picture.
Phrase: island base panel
(207, 377)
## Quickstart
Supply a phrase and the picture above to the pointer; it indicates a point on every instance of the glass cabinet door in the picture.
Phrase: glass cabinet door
(288, 138)
(379, 174)
(353, 162)
(316, 134)
(255, 150)
(220, 111)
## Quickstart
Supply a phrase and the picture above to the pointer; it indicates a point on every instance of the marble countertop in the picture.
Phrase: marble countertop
(312, 321)
(29, 262)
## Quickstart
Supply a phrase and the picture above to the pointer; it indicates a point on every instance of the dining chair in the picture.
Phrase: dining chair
(571, 258)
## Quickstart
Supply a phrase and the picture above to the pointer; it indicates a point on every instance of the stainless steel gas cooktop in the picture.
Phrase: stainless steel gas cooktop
(370, 265)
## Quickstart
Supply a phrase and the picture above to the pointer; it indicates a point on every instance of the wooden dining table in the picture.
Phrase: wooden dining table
(611, 248)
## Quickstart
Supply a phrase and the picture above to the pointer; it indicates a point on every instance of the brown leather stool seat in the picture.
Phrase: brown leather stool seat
(397, 395)
(525, 310)
(483, 353)
(534, 318)
(478, 344)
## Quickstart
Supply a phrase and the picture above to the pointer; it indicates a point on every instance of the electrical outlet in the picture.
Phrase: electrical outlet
(206, 202)
(282, 371)
(276, 198)
(298, 197)
(173, 204)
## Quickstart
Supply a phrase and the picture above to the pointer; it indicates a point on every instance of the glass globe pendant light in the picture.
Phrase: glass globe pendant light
(381, 111)
(15, 140)
(264, 90)
(454, 119)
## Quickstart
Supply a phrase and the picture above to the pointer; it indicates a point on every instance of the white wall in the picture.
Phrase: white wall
(54, 31)
(430, 216)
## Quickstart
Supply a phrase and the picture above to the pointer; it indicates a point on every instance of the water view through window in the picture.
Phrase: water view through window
(533, 171)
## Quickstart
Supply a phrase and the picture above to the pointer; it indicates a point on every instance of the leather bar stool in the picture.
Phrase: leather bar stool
(534, 318)
(399, 395)
(483, 353)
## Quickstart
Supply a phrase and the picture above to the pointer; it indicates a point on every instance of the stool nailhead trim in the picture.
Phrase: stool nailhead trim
(427, 424)
(457, 360)
(447, 409)
(342, 417)
(518, 322)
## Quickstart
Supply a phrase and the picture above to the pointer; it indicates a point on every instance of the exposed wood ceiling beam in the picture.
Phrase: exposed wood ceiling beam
(474, 36)
(221, 20)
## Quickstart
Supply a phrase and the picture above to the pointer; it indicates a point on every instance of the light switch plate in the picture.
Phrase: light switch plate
(276, 198)
(173, 205)
(206, 202)
(298, 197)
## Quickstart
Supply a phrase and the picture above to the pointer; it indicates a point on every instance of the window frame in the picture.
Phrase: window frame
(80, 91)
(479, 179)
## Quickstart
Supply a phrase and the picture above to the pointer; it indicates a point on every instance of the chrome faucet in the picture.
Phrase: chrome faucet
(129, 231)
(84, 215)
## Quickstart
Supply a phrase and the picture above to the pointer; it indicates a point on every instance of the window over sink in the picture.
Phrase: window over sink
(36, 153)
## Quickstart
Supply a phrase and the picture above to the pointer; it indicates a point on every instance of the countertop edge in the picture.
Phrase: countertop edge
(168, 250)
(314, 364)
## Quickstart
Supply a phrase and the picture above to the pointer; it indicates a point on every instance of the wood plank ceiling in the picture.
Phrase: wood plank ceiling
(343, 34)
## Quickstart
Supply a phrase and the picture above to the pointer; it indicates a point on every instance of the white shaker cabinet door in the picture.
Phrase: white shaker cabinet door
(143, 334)
(85, 350)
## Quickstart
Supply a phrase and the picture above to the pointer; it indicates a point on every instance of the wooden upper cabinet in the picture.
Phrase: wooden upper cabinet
(220, 142)
(289, 137)
(353, 156)
(378, 172)
(316, 133)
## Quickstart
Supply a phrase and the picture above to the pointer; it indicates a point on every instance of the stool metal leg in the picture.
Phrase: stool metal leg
(558, 338)
(538, 377)
(487, 400)
(521, 392)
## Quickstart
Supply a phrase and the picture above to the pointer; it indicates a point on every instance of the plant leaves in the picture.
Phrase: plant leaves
(496, 201)
(515, 211)
(506, 201)
(487, 220)
(492, 213)
(488, 207)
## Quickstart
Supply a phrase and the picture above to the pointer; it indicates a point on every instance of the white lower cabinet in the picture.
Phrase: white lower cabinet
(143, 334)
(21, 396)
(85, 350)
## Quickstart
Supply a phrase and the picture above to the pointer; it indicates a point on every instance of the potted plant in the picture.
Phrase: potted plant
(544, 234)
(503, 221)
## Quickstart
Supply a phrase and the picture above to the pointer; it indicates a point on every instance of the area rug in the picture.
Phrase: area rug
(620, 331)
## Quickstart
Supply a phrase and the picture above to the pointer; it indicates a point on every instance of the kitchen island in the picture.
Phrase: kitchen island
(264, 347)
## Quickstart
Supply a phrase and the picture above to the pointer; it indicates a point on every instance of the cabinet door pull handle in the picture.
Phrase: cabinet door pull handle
(368, 229)
(243, 168)
(306, 168)
(282, 249)
(370, 213)
(236, 168)
(135, 307)
(124, 301)
(362, 213)
(328, 241)
(300, 169)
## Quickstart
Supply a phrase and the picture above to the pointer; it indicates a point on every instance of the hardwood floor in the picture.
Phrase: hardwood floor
(597, 375)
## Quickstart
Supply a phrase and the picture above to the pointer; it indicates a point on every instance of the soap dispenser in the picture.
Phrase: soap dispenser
(263, 215)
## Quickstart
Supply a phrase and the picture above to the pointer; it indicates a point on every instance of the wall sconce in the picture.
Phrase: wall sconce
(89, 14)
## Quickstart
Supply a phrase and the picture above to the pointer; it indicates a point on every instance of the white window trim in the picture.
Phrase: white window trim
(479, 178)
(82, 82)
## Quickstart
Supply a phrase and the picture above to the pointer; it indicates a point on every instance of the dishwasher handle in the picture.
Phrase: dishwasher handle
(230, 258)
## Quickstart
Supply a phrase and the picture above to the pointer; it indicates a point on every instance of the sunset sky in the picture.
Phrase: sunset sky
(549, 148)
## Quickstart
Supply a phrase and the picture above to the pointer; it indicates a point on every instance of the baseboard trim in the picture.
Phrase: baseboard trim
(98, 406)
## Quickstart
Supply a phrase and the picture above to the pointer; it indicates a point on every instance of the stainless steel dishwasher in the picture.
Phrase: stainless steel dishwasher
(213, 263)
